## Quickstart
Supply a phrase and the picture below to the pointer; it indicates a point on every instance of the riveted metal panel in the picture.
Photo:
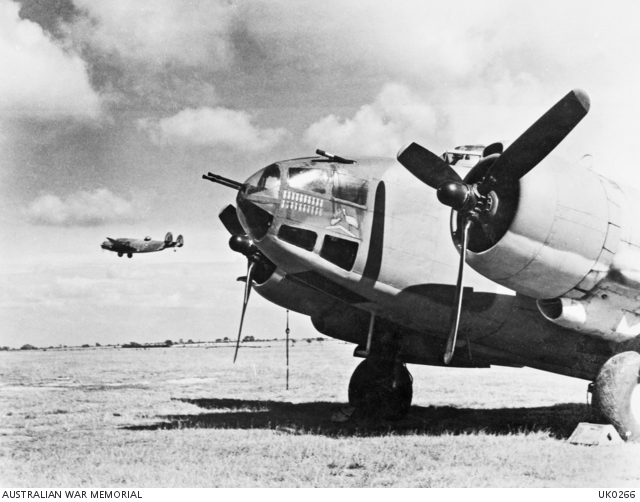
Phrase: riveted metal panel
(599, 271)
(614, 234)
(618, 207)
(633, 216)
(575, 294)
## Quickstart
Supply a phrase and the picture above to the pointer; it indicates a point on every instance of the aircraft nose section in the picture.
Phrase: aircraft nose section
(256, 217)
(258, 201)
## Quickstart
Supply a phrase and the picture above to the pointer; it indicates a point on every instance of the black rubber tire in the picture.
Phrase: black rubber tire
(382, 389)
(119, 255)
(129, 255)
(616, 394)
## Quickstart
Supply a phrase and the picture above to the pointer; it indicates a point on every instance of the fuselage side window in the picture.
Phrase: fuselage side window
(310, 179)
(305, 239)
(340, 252)
(350, 189)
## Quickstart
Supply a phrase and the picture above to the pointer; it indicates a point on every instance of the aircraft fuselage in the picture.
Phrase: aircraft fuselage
(366, 238)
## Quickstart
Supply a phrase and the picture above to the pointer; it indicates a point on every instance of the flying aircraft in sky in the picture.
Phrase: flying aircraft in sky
(124, 245)
(523, 259)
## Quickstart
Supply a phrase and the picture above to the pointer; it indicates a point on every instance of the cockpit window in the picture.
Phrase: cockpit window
(311, 179)
(270, 178)
(348, 188)
(464, 156)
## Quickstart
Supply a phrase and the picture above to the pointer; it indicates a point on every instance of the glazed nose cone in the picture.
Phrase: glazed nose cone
(258, 202)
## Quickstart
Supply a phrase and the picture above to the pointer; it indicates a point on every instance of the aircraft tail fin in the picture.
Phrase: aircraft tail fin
(168, 238)
(180, 241)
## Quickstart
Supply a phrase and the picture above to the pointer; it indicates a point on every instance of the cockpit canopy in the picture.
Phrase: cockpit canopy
(464, 156)
(322, 180)
(147, 238)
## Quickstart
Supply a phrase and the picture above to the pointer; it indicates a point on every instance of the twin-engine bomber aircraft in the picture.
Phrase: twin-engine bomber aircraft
(377, 257)
(124, 245)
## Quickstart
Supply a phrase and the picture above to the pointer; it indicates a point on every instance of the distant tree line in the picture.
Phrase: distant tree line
(167, 343)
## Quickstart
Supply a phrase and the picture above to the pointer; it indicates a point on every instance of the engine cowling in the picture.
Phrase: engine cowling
(562, 237)
(571, 242)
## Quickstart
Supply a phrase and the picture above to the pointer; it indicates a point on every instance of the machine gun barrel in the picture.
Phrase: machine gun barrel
(215, 178)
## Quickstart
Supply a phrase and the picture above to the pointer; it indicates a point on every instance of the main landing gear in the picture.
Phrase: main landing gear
(616, 394)
(382, 388)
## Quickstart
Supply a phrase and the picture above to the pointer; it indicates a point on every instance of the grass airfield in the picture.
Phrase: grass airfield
(188, 417)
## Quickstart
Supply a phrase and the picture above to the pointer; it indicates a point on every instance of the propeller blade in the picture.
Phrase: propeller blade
(455, 313)
(537, 142)
(229, 219)
(247, 292)
(426, 166)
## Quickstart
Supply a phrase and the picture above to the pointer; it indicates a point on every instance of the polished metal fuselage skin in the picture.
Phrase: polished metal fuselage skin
(568, 240)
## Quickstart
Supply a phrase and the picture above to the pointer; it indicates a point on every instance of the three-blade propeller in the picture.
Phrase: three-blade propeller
(241, 243)
(474, 200)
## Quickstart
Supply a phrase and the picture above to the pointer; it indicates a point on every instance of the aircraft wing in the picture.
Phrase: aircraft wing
(124, 245)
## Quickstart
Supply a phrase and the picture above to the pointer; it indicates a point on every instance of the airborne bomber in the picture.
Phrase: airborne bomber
(124, 245)
(513, 258)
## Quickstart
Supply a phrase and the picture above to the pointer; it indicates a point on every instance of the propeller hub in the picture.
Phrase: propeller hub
(454, 194)
(242, 244)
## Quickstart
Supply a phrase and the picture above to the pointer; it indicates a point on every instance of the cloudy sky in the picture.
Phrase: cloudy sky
(110, 112)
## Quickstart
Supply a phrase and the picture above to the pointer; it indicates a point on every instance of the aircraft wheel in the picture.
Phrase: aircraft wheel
(120, 255)
(617, 394)
(382, 389)
(129, 255)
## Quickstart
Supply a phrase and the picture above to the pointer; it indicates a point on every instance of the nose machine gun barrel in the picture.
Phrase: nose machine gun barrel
(216, 178)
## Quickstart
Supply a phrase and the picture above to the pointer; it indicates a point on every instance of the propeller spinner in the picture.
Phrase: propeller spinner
(476, 202)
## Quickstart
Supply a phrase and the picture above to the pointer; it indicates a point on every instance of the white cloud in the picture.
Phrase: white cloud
(83, 209)
(212, 127)
(40, 78)
(395, 118)
(74, 287)
(158, 31)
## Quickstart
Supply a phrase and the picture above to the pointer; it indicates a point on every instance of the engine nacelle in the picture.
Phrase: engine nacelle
(574, 244)
(563, 236)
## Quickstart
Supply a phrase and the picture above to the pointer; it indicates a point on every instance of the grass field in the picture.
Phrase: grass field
(188, 417)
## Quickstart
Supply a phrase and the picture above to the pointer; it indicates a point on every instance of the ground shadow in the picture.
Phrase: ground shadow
(315, 418)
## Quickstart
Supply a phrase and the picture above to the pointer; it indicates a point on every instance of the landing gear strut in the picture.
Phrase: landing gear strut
(616, 394)
(382, 388)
